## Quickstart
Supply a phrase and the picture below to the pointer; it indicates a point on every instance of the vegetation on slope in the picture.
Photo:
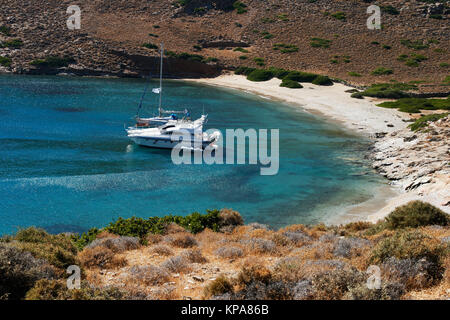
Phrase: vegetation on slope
(414, 105)
(290, 79)
(410, 247)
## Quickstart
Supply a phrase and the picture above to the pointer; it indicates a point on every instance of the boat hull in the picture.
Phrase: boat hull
(162, 143)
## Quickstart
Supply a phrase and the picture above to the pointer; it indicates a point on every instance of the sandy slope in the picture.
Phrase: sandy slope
(362, 116)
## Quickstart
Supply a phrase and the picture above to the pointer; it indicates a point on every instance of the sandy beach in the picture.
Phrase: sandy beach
(361, 116)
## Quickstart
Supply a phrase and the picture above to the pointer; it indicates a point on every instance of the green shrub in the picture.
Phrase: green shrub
(244, 71)
(240, 7)
(402, 57)
(53, 62)
(290, 84)
(267, 20)
(425, 120)
(390, 9)
(417, 45)
(387, 47)
(278, 72)
(241, 50)
(285, 48)
(58, 250)
(267, 35)
(154, 35)
(354, 74)
(340, 15)
(382, 71)
(260, 75)
(259, 61)
(243, 57)
(320, 43)
(300, 76)
(138, 227)
(283, 17)
(436, 16)
(14, 43)
(416, 214)
(5, 61)
(387, 90)
(185, 56)
(5, 30)
(410, 245)
(19, 271)
(414, 105)
(444, 65)
(322, 81)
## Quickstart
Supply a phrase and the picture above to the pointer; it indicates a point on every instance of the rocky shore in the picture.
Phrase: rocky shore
(418, 162)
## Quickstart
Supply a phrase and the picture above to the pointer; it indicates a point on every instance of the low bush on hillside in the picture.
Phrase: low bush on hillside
(5, 30)
(285, 48)
(382, 71)
(259, 61)
(150, 46)
(394, 90)
(414, 105)
(267, 35)
(19, 271)
(219, 286)
(416, 214)
(14, 43)
(320, 43)
(390, 9)
(183, 240)
(290, 84)
(340, 15)
(5, 61)
(417, 45)
(410, 245)
(58, 250)
(176, 264)
(322, 81)
(260, 75)
(162, 250)
(116, 244)
(241, 50)
(229, 252)
(354, 74)
(194, 256)
(53, 62)
(244, 71)
(240, 7)
(300, 76)
(100, 257)
(149, 275)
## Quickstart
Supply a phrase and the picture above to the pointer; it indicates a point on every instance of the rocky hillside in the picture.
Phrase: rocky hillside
(323, 36)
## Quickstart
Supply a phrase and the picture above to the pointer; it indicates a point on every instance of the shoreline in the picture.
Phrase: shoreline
(332, 102)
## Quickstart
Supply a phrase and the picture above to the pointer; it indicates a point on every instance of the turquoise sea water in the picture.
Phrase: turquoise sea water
(67, 165)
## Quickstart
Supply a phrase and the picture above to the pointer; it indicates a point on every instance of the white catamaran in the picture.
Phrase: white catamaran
(165, 132)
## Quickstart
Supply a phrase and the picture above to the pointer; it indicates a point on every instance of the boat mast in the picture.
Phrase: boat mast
(160, 78)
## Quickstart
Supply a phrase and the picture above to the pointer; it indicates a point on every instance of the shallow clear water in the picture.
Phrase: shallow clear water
(67, 165)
